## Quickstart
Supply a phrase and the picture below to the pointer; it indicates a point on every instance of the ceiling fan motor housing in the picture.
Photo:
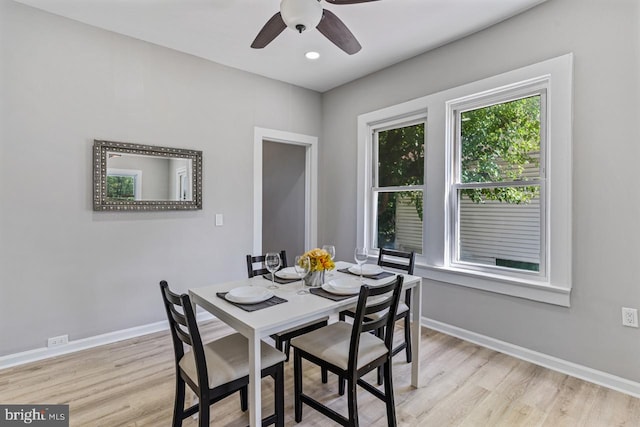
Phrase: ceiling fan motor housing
(300, 15)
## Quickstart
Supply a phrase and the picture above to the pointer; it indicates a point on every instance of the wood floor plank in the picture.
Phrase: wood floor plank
(131, 383)
(567, 410)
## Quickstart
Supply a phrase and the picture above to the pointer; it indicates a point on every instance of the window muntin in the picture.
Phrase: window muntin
(397, 187)
(499, 170)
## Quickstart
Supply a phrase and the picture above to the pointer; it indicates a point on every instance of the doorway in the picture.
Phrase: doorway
(285, 192)
(283, 195)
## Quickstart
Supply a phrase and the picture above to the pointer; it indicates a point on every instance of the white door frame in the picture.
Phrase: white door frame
(310, 182)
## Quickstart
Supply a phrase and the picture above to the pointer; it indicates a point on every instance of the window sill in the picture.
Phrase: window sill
(521, 288)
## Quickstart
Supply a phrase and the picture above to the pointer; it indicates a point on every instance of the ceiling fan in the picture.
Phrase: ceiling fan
(300, 15)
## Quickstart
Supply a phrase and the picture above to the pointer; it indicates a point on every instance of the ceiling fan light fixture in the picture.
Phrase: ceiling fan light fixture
(300, 15)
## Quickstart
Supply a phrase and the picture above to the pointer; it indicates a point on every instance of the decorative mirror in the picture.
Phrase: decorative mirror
(134, 177)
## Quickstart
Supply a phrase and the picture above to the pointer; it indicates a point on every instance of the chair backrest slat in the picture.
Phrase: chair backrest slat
(181, 325)
(377, 305)
(259, 271)
(177, 316)
(392, 258)
(382, 300)
(374, 325)
(184, 336)
(172, 298)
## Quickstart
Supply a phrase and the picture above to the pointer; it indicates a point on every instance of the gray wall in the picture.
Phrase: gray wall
(65, 269)
(605, 37)
(283, 173)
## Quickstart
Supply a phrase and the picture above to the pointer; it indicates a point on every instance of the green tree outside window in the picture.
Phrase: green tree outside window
(120, 187)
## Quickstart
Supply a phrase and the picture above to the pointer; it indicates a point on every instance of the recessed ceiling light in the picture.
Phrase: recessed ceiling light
(312, 55)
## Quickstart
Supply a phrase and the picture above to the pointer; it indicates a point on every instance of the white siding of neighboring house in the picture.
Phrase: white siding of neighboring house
(493, 230)
(498, 230)
(408, 227)
(488, 230)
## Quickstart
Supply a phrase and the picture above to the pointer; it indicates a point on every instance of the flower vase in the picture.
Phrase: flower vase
(314, 279)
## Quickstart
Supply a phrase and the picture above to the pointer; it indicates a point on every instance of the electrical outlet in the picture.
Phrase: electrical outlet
(630, 317)
(58, 341)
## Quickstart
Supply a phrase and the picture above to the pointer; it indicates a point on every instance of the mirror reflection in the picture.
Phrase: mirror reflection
(140, 177)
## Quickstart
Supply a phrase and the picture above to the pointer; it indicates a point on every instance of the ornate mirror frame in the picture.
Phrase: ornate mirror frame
(102, 203)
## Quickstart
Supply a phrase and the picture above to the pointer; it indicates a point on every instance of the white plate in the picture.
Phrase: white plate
(249, 294)
(343, 286)
(327, 287)
(287, 273)
(367, 269)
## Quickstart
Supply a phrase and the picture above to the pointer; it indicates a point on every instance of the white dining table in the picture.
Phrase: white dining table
(299, 309)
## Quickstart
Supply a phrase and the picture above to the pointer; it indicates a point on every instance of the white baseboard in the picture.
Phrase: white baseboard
(585, 373)
(34, 355)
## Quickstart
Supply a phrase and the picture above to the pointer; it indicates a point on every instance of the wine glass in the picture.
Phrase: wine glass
(331, 250)
(302, 267)
(272, 262)
(361, 255)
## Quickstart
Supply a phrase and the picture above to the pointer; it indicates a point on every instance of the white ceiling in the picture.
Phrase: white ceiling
(222, 31)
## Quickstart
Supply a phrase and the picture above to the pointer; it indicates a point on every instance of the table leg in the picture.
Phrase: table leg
(255, 399)
(416, 307)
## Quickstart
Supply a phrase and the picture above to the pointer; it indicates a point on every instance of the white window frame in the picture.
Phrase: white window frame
(374, 187)
(537, 87)
(370, 125)
(554, 286)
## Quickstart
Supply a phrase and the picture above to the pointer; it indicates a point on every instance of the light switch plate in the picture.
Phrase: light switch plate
(219, 220)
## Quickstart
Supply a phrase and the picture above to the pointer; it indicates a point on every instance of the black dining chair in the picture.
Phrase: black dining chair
(350, 352)
(402, 262)
(252, 270)
(282, 338)
(216, 369)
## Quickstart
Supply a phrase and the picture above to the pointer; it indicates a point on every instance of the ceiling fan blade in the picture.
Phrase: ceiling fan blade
(334, 29)
(270, 31)
(348, 1)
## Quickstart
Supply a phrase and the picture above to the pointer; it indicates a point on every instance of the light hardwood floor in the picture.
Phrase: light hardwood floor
(131, 383)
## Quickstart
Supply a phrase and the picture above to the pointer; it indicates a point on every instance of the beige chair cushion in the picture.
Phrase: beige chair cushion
(228, 359)
(402, 307)
(331, 344)
(302, 326)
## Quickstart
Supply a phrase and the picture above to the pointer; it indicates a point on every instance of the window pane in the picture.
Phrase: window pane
(501, 142)
(499, 233)
(401, 156)
(399, 220)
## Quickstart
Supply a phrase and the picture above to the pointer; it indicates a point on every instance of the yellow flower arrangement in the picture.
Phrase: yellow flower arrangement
(320, 260)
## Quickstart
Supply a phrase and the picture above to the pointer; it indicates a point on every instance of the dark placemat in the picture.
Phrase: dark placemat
(274, 300)
(322, 293)
(378, 276)
(279, 279)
